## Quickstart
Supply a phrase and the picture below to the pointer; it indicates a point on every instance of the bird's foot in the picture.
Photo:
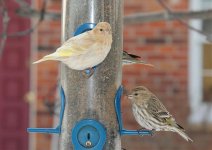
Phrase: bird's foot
(152, 132)
(88, 72)
(140, 131)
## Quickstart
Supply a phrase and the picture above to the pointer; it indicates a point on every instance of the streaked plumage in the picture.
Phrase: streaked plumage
(130, 59)
(151, 114)
(85, 50)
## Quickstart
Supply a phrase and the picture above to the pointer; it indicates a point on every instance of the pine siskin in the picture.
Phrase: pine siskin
(151, 114)
(85, 50)
(129, 59)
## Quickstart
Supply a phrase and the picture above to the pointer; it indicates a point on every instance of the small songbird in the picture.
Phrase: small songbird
(151, 114)
(86, 50)
(130, 59)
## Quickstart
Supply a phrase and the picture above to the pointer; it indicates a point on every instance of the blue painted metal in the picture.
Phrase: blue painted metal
(119, 117)
(83, 28)
(88, 133)
(56, 130)
(88, 130)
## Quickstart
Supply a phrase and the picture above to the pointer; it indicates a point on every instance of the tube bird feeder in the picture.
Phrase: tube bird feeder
(90, 112)
(89, 119)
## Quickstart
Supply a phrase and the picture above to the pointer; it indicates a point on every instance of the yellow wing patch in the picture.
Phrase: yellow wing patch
(78, 45)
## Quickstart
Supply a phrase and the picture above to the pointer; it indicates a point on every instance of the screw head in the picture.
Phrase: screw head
(88, 144)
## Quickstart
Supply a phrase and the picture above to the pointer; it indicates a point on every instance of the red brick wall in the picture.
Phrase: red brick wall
(48, 38)
(164, 44)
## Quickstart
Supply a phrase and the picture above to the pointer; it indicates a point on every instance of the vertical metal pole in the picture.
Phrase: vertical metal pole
(94, 97)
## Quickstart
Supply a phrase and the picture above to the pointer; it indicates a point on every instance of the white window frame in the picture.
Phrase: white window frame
(201, 111)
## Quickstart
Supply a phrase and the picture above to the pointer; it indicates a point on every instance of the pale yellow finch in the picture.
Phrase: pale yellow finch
(85, 50)
(151, 114)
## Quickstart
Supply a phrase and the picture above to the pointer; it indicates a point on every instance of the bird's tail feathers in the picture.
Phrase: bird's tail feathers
(141, 62)
(144, 63)
(52, 56)
(150, 65)
(182, 133)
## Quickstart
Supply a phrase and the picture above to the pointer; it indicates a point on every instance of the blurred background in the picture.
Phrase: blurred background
(182, 77)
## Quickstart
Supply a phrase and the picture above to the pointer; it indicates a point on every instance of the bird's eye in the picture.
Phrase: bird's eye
(136, 94)
(101, 29)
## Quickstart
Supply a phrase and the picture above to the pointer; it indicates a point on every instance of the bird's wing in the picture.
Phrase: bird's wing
(77, 45)
(157, 109)
(159, 112)
(134, 56)
(127, 55)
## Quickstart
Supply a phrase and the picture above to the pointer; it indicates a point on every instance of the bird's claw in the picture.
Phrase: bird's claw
(143, 129)
(88, 72)
(140, 131)
(152, 132)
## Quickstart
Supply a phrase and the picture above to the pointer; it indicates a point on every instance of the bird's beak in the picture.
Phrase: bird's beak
(125, 92)
(130, 96)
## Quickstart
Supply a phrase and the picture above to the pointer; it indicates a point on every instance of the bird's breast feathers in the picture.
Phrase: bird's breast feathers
(92, 58)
